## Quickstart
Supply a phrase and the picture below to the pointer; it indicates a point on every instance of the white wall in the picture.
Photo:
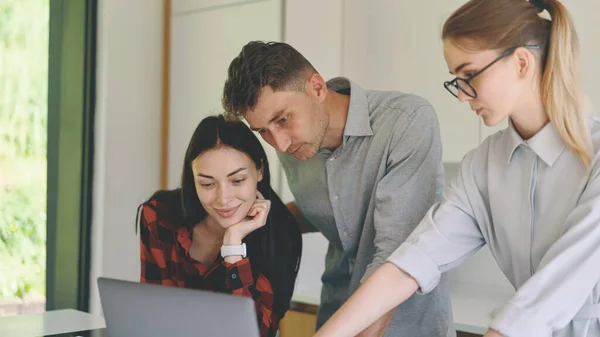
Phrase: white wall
(585, 15)
(127, 132)
(322, 42)
(395, 45)
(204, 40)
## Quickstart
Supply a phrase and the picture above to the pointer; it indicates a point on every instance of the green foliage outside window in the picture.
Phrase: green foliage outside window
(23, 143)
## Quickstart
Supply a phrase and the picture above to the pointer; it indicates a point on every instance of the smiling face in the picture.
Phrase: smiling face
(499, 88)
(226, 184)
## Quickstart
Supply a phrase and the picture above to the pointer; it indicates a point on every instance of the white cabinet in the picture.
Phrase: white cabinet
(203, 43)
(585, 16)
(320, 43)
(183, 7)
(396, 45)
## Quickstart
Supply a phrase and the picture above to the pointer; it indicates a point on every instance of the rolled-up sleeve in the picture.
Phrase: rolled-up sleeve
(446, 236)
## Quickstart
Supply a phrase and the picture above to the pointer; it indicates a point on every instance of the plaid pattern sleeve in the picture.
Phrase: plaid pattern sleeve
(154, 259)
(241, 283)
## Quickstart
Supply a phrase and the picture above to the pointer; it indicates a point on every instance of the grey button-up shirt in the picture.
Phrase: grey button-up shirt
(369, 194)
(538, 210)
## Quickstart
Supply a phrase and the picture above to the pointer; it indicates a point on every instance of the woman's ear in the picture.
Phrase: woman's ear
(525, 61)
(260, 173)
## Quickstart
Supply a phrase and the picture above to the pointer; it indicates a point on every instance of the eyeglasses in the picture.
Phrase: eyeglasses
(464, 84)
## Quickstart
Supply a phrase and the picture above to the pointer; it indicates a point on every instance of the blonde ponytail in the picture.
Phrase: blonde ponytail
(562, 95)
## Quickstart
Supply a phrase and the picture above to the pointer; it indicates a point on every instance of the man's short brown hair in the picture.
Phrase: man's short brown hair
(259, 64)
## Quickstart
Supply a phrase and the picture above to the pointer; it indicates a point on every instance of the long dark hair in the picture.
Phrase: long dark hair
(275, 249)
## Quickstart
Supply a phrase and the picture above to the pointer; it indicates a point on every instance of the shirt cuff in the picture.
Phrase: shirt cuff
(515, 321)
(418, 265)
(239, 274)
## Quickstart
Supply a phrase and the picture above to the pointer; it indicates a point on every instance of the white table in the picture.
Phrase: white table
(49, 323)
(472, 305)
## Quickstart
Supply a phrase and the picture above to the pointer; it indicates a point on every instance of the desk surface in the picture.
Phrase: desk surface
(49, 323)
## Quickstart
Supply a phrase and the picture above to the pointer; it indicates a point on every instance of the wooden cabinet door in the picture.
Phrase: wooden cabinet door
(297, 324)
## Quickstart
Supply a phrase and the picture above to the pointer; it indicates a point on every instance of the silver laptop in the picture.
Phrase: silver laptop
(143, 310)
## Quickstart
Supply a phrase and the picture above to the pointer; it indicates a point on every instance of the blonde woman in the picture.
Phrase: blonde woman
(530, 192)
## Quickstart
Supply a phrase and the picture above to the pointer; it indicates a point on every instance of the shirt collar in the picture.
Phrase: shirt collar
(357, 122)
(547, 143)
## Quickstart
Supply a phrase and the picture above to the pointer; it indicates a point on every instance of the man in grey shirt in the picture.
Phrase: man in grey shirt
(364, 167)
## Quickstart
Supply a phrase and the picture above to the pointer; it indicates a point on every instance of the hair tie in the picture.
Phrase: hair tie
(539, 4)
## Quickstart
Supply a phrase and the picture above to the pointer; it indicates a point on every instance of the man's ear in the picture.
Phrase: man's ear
(317, 87)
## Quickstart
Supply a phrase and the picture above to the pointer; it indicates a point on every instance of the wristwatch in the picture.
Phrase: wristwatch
(234, 250)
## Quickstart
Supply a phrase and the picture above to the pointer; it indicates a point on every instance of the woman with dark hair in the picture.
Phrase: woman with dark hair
(224, 229)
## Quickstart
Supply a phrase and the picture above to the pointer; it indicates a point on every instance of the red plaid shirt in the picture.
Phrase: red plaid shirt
(165, 260)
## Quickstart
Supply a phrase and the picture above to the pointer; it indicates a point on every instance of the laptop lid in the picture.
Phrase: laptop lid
(134, 309)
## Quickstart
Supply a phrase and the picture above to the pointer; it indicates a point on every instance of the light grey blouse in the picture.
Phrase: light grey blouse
(538, 210)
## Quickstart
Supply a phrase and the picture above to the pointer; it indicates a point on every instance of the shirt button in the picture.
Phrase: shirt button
(345, 233)
(335, 197)
(332, 158)
(233, 276)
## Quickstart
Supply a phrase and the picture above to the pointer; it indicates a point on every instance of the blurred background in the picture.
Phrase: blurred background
(100, 97)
